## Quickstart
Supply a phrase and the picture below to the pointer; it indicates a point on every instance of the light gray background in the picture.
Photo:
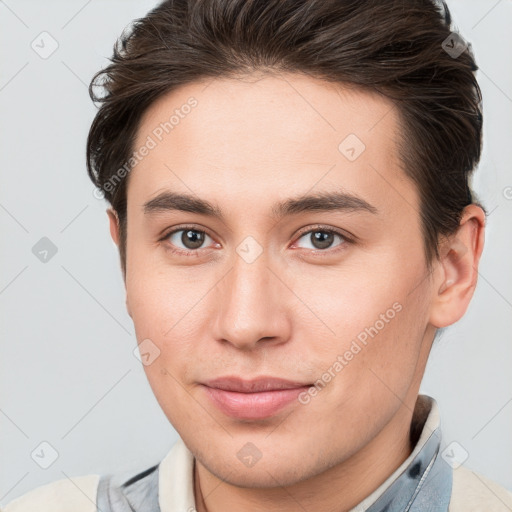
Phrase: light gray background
(67, 369)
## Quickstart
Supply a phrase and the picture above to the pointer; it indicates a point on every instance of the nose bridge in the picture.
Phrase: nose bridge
(249, 308)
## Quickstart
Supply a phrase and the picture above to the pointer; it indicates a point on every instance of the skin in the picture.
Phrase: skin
(248, 144)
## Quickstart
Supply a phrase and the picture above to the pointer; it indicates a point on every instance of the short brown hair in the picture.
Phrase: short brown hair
(394, 47)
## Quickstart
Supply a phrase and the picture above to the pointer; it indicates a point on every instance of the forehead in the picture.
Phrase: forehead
(257, 135)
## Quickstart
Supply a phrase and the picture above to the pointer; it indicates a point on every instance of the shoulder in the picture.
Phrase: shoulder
(473, 492)
(77, 494)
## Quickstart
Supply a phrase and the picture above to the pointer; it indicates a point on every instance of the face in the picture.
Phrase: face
(276, 278)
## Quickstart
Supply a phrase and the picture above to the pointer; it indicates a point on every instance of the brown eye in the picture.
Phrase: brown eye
(322, 239)
(187, 239)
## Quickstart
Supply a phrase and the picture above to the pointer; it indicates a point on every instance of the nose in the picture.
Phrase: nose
(252, 306)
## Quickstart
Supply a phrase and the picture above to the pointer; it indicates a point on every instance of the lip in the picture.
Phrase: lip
(252, 399)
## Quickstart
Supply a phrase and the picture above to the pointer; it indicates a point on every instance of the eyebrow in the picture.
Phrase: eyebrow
(323, 201)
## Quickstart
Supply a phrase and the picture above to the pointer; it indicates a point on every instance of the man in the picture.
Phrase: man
(289, 190)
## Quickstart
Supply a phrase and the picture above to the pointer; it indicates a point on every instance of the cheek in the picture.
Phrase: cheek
(165, 322)
(158, 297)
(171, 308)
(391, 344)
(373, 317)
(356, 299)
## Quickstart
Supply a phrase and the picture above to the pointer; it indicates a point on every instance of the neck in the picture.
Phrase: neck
(340, 488)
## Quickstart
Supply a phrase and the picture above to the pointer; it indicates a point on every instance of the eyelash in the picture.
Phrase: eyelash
(315, 252)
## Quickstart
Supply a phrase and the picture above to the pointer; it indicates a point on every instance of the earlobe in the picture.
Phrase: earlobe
(114, 225)
(459, 259)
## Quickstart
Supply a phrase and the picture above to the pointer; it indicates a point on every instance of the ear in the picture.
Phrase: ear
(114, 233)
(456, 279)
(114, 225)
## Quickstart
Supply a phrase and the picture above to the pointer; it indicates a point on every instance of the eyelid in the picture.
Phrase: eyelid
(183, 227)
(329, 229)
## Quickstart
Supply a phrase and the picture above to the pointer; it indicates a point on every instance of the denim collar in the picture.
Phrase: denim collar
(423, 482)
